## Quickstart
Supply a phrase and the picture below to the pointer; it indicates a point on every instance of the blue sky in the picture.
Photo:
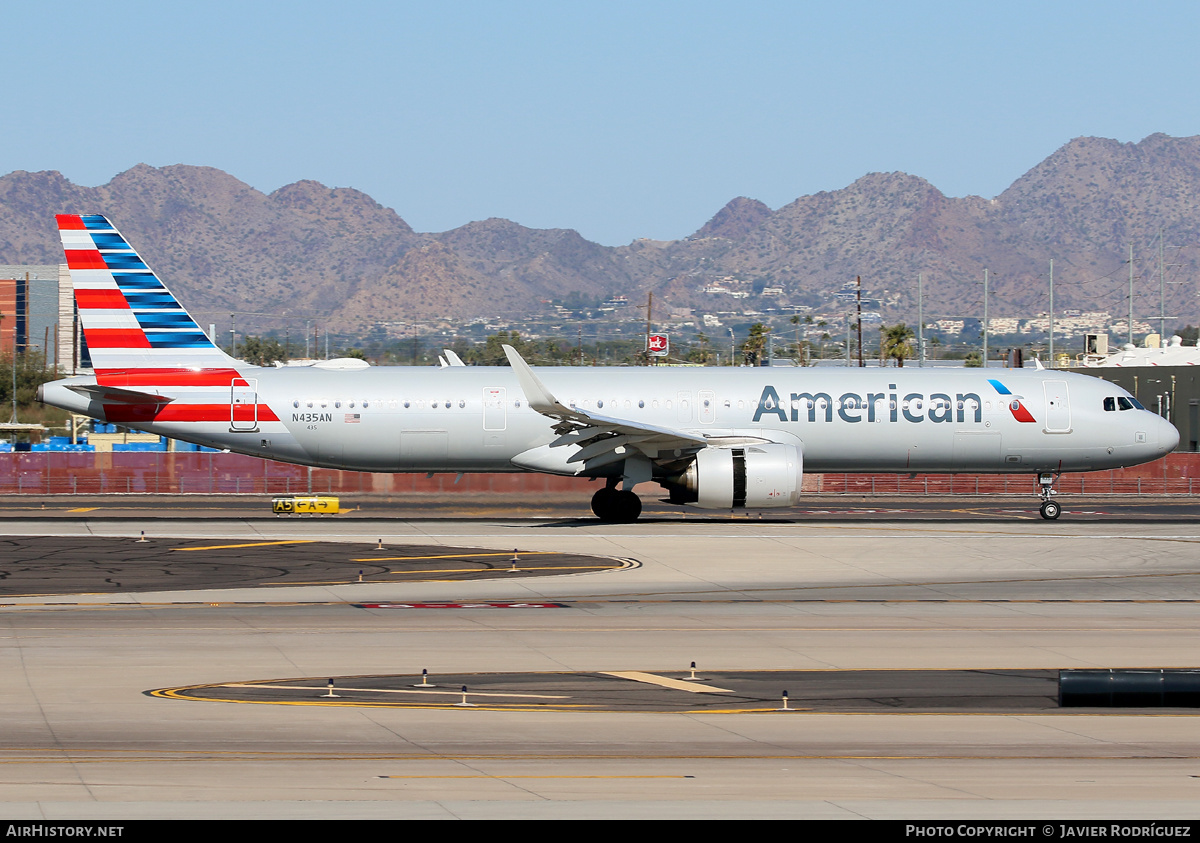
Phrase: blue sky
(621, 120)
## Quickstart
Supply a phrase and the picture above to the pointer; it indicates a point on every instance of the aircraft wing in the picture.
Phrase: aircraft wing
(600, 439)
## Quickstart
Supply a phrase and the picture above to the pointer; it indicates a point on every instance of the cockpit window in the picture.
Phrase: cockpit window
(1137, 403)
(1125, 403)
(1110, 404)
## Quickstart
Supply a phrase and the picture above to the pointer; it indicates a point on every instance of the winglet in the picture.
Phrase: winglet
(539, 398)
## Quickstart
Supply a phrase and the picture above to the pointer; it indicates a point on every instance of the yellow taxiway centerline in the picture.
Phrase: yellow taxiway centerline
(251, 544)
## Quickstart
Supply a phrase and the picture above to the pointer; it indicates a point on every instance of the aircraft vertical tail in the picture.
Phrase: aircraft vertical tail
(132, 323)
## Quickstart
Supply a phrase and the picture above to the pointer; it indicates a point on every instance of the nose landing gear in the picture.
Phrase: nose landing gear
(1050, 508)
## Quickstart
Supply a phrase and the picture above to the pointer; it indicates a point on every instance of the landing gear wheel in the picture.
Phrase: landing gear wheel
(616, 507)
(630, 506)
(604, 503)
(1051, 510)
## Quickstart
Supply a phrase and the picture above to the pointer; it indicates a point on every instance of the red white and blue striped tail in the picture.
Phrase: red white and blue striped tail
(131, 321)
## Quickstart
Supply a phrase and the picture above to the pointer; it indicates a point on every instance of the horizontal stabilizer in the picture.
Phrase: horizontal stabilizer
(116, 395)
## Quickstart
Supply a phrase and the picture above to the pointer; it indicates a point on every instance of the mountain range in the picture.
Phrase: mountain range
(338, 256)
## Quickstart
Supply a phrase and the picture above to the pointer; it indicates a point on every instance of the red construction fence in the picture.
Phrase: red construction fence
(57, 473)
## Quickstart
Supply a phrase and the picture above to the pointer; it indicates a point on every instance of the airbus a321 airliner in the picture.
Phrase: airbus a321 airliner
(715, 438)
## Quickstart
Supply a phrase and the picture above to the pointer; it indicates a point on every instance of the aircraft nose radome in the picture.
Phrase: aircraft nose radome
(1168, 436)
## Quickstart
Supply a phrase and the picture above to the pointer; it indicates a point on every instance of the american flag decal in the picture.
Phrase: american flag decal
(352, 418)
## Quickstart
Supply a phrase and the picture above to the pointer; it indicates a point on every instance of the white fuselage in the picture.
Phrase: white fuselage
(475, 419)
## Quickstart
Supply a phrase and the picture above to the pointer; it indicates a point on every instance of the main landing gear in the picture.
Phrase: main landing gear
(1050, 508)
(616, 506)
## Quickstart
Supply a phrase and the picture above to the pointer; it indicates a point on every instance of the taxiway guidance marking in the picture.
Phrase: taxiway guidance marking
(665, 682)
(459, 556)
(251, 544)
(447, 693)
(460, 605)
(502, 777)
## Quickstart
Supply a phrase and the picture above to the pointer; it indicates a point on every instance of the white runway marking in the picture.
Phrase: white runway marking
(666, 682)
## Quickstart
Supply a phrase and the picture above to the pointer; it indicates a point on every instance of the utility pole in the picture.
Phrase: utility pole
(649, 329)
(1051, 313)
(920, 321)
(13, 420)
(985, 317)
(1162, 293)
(846, 316)
(233, 335)
(1131, 294)
(858, 298)
(650, 361)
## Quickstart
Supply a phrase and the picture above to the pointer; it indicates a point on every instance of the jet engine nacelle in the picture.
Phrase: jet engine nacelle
(747, 476)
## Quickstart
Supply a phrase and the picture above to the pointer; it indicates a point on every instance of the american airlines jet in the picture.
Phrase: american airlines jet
(715, 438)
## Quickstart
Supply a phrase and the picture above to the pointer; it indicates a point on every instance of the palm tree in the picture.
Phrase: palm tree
(754, 347)
(896, 343)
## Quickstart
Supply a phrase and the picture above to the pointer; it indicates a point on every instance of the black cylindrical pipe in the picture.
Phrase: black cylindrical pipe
(1133, 688)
